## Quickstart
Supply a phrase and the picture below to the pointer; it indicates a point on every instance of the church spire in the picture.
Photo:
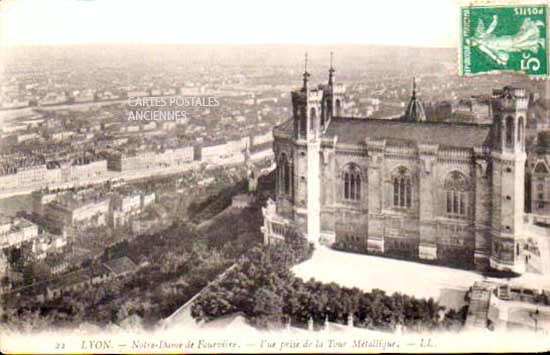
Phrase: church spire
(331, 72)
(415, 110)
(306, 74)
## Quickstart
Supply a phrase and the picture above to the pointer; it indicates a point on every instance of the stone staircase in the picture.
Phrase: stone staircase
(478, 308)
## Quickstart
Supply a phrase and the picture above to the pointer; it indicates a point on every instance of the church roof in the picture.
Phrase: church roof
(286, 127)
(355, 131)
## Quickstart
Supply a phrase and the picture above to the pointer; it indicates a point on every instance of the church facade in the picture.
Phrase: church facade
(447, 193)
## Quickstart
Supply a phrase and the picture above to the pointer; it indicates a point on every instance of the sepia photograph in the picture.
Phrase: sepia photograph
(274, 176)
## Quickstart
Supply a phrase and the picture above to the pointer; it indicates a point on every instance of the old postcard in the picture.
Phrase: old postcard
(275, 177)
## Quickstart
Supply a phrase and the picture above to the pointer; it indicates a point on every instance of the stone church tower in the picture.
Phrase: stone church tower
(308, 121)
(509, 108)
(299, 154)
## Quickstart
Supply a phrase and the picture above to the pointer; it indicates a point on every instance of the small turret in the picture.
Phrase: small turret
(331, 72)
(415, 109)
(300, 106)
(306, 76)
(510, 106)
(334, 96)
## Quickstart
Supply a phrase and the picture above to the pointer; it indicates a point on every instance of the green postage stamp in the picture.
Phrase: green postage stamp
(504, 38)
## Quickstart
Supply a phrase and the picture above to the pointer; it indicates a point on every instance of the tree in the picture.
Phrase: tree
(212, 304)
(454, 320)
(268, 307)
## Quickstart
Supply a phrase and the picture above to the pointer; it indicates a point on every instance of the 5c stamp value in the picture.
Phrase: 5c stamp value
(504, 38)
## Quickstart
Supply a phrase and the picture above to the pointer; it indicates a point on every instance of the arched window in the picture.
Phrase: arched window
(287, 178)
(402, 188)
(520, 129)
(498, 132)
(352, 183)
(338, 107)
(284, 178)
(303, 121)
(456, 195)
(509, 130)
(324, 113)
(312, 117)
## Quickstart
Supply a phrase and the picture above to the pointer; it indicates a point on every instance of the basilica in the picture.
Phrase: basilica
(439, 192)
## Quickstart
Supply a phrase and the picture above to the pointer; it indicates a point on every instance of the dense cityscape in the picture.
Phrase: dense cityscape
(116, 211)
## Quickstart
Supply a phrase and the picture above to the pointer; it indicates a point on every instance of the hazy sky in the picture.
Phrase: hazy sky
(431, 23)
